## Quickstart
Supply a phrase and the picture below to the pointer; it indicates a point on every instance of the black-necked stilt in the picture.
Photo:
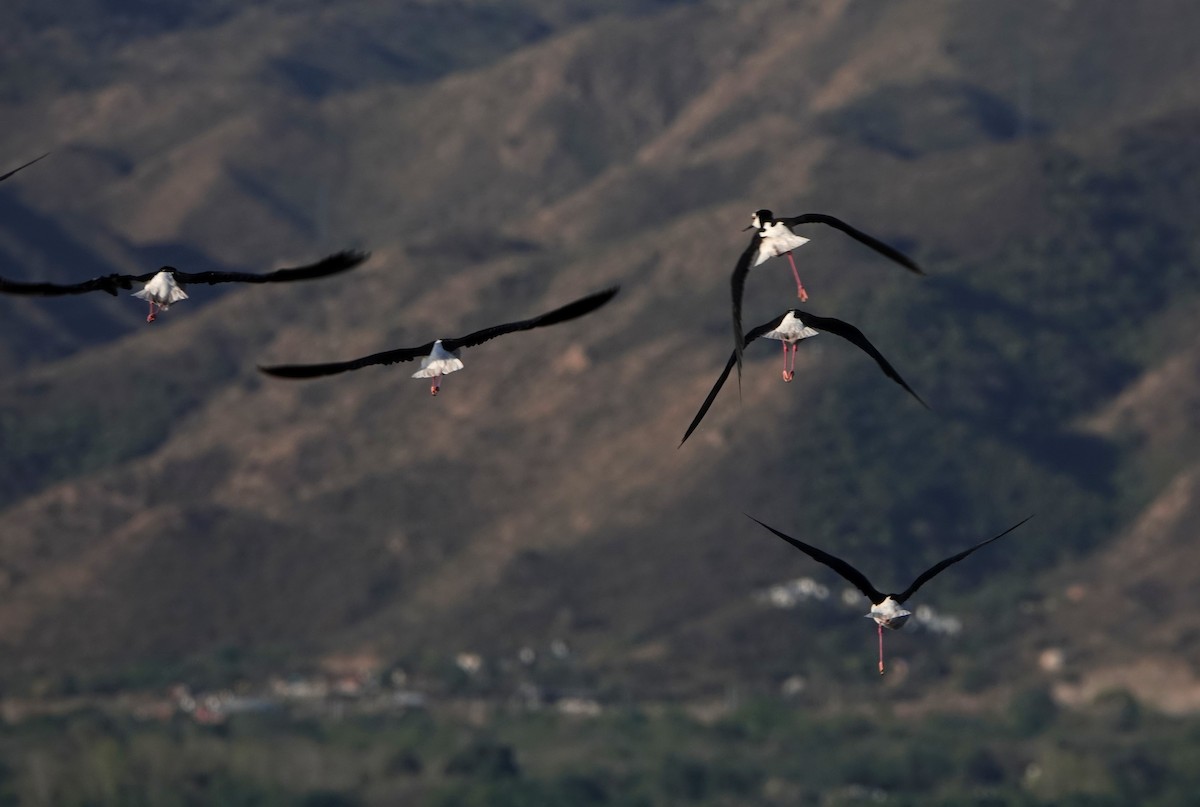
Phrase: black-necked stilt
(774, 237)
(15, 170)
(790, 328)
(442, 356)
(166, 286)
(885, 608)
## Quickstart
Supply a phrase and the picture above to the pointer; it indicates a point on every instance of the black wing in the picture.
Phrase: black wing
(331, 265)
(737, 286)
(712, 394)
(851, 334)
(15, 170)
(852, 575)
(569, 311)
(929, 573)
(858, 235)
(584, 305)
(108, 283)
(315, 370)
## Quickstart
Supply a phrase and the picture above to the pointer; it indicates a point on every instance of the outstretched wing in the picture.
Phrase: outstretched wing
(331, 265)
(316, 370)
(584, 305)
(852, 575)
(929, 573)
(569, 311)
(851, 334)
(712, 394)
(107, 283)
(737, 287)
(15, 170)
(858, 235)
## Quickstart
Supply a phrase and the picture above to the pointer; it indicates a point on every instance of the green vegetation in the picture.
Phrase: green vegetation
(765, 752)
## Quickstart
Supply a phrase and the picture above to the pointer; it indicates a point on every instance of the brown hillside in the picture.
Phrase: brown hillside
(163, 501)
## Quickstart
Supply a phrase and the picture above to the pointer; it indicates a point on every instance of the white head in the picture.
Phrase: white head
(889, 614)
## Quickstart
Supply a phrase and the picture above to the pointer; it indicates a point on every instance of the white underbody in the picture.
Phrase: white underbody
(889, 614)
(439, 362)
(791, 330)
(776, 239)
(162, 290)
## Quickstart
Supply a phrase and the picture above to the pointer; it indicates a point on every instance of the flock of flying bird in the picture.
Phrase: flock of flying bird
(773, 237)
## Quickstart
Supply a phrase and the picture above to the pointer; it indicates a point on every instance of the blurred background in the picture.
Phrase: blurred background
(222, 588)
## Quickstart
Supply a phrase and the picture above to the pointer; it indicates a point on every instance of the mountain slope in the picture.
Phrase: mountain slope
(192, 506)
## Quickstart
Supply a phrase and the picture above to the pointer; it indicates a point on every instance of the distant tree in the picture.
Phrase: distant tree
(484, 760)
(1032, 711)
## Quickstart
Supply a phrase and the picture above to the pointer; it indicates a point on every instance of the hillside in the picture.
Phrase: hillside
(167, 512)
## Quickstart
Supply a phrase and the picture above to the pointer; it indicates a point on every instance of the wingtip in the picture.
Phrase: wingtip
(608, 293)
(353, 257)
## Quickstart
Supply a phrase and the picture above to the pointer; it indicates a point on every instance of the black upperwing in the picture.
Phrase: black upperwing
(329, 265)
(737, 288)
(853, 335)
(106, 283)
(852, 575)
(929, 573)
(26, 165)
(766, 327)
(332, 368)
(836, 327)
(569, 311)
(584, 305)
(858, 235)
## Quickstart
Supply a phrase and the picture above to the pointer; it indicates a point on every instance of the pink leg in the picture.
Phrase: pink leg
(880, 649)
(786, 375)
(437, 381)
(151, 316)
(792, 369)
(800, 292)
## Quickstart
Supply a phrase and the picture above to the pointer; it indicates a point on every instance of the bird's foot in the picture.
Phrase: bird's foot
(151, 317)
(802, 294)
(788, 376)
(434, 390)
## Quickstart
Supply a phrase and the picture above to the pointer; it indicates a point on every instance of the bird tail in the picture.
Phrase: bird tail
(173, 296)
(435, 367)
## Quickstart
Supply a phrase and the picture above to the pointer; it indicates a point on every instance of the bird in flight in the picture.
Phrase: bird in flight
(165, 286)
(15, 170)
(774, 237)
(443, 356)
(885, 608)
(790, 328)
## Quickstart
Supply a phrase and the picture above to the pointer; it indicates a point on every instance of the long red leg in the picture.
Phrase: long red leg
(785, 372)
(792, 369)
(151, 316)
(433, 390)
(881, 649)
(800, 292)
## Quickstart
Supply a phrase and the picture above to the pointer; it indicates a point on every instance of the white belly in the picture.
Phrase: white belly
(791, 330)
(439, 362)
(889, 614)
(162, 290)
(776, 240)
